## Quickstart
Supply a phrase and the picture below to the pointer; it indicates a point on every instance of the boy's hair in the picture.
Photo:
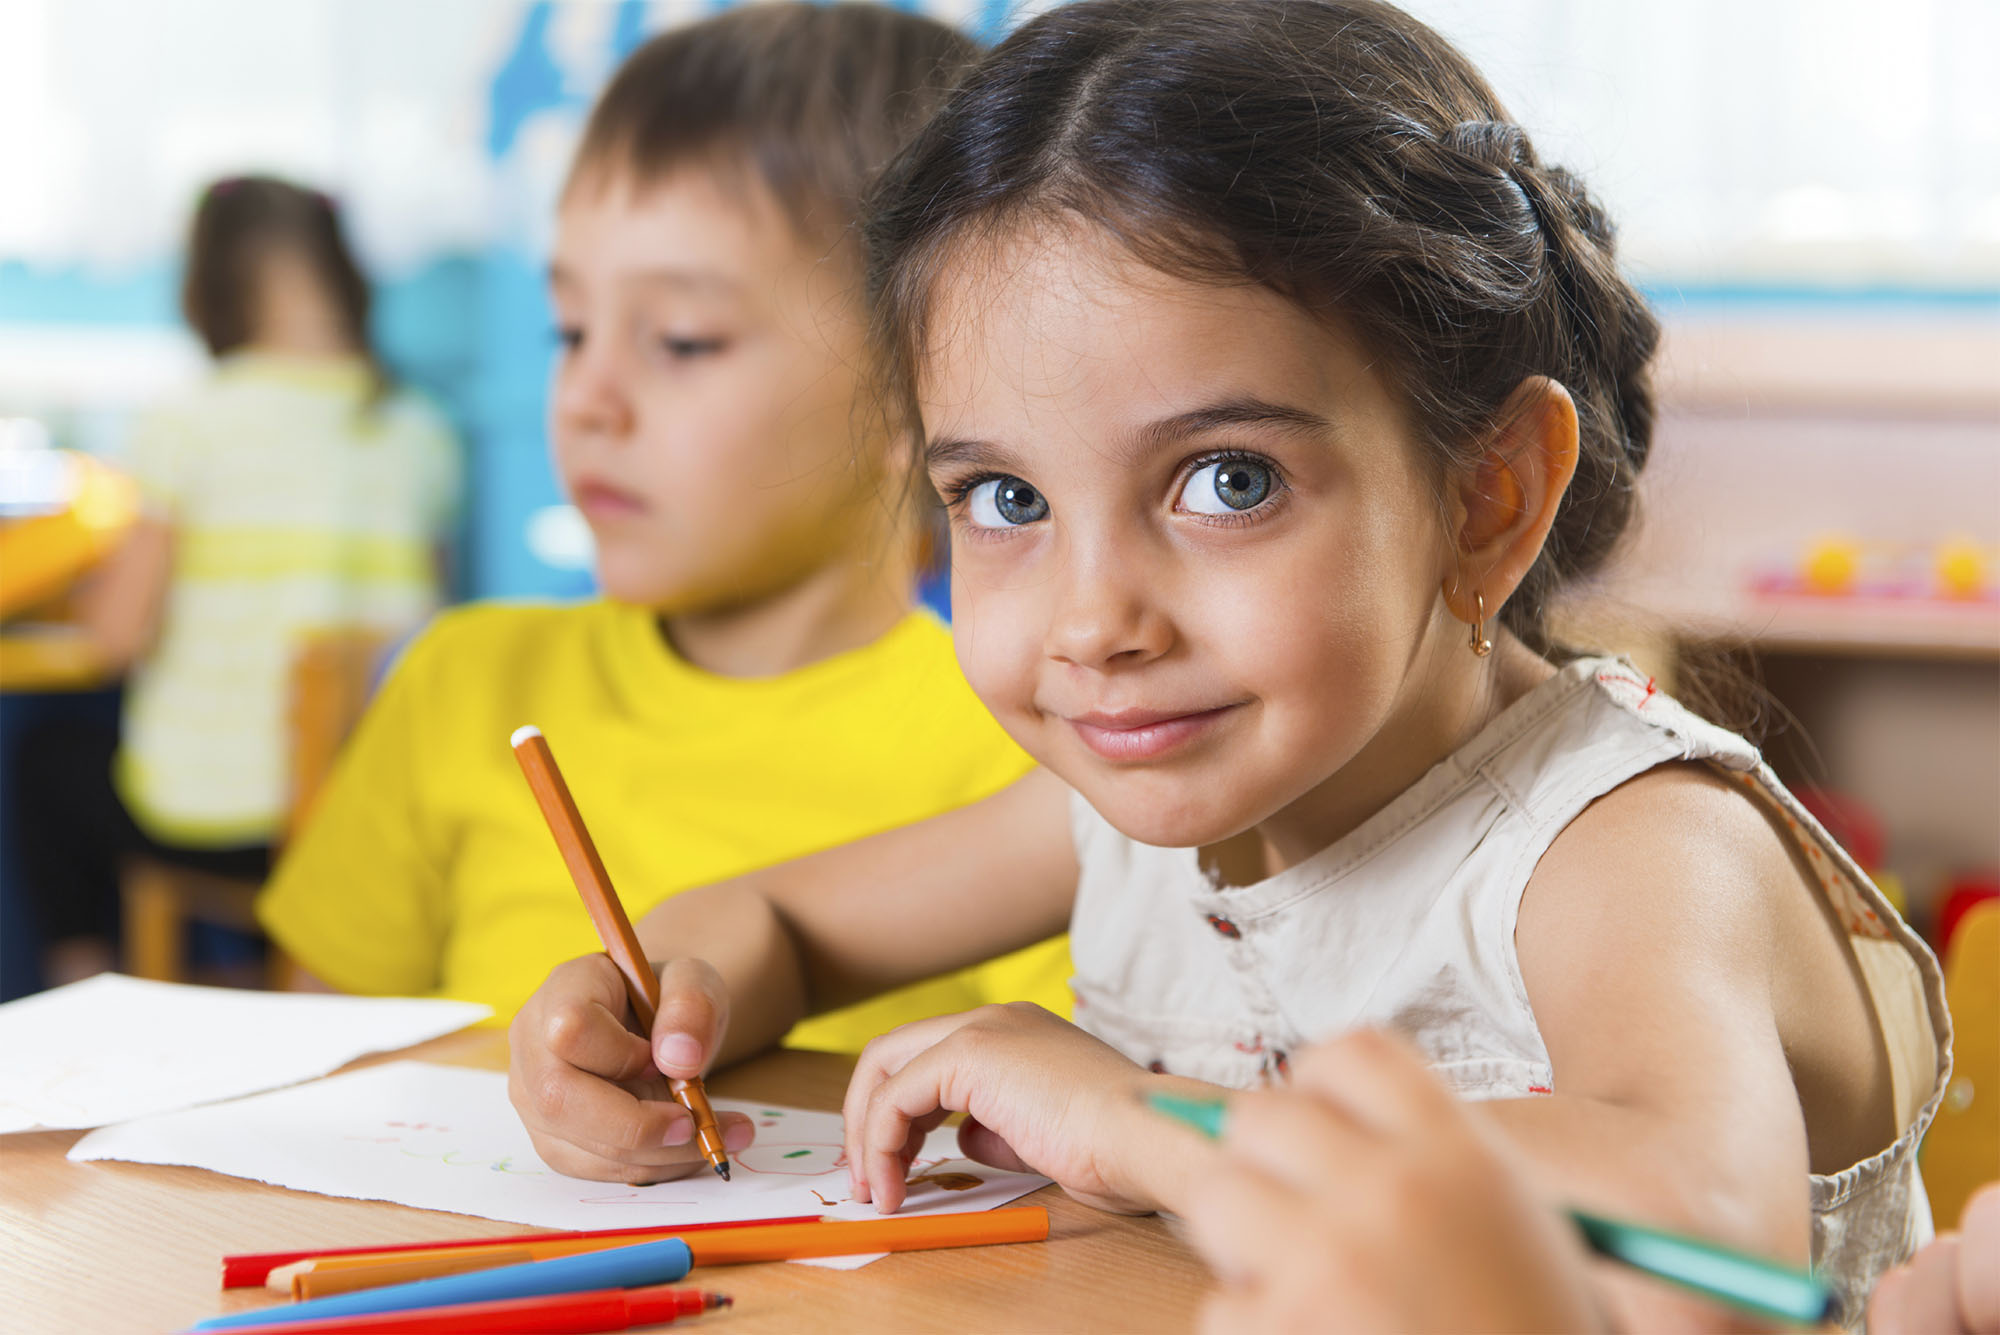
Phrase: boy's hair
(239, 223)
(1337, 152)
(816, 97)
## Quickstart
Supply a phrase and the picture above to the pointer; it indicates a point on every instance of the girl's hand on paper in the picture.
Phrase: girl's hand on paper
(1365, 1196)
(1041, 1096)
(593, 1094)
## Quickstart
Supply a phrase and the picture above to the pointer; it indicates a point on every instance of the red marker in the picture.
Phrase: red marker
(549, 1314)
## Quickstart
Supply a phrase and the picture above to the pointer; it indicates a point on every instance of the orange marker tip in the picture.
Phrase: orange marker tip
(722, 1170)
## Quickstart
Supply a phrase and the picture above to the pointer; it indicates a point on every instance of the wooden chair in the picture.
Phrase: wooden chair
(329, 688)
(1962, 1151)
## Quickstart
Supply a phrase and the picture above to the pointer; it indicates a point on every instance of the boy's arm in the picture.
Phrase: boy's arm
(1646, 944)
(855, 921)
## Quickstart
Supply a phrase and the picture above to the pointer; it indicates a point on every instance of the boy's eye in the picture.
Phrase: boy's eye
(1227, 486)
(686, 349)
(1005, 502)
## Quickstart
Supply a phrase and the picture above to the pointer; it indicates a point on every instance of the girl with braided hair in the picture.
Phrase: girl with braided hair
(1274, 385)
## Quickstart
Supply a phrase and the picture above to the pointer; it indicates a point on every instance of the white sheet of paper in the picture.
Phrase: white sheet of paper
(112, 1048)
(446, 1138)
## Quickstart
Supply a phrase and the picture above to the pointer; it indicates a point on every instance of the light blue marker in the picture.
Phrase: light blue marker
(660, 1262)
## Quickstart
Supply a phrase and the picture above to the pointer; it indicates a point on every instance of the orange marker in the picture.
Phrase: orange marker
(614, 929)
(728, 1245)
(318, 1279)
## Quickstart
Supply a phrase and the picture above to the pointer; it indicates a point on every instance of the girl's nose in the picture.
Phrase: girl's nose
(590, 392)
(1104, 617)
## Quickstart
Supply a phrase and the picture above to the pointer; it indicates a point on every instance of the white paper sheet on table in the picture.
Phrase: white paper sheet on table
(446, 1138)
(112, 1048)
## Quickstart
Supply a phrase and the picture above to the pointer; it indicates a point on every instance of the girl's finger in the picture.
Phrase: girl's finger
(1250, 1226)
(1380, 1082)
(1295, 1135)
(904, 1109)
(1922, 1297)
(692, 1017)
(883, 1057)
(1979, 1281)
(982, 1144)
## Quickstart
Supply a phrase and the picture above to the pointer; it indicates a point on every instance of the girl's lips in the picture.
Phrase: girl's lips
(1143, 736)
(598, 500)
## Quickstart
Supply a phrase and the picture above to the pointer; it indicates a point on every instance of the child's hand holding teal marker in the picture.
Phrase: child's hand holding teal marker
(1426, 1224)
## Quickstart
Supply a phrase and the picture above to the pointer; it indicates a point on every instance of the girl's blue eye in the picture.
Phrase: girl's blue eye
(1005, 502)
(685, 349)
(1227, 486)
(569, 336)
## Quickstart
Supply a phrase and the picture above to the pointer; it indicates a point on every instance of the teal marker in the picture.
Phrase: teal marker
(1748, 1283)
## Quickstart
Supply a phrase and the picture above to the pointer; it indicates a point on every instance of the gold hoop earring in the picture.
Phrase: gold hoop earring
(1479, 644)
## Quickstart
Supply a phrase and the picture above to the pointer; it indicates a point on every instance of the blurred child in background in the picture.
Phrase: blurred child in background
(755, 684)
(293, 490)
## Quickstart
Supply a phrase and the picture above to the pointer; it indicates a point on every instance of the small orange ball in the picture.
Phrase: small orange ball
(1961, 568)
(1831, 565)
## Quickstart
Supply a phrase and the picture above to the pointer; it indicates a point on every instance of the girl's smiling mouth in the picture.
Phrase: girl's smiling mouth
(1141, 734)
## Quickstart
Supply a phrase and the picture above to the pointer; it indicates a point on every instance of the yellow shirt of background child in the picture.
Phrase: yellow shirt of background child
(427, 869)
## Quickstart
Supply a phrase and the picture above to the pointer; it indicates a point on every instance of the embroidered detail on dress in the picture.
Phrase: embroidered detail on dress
(1627, 688)
(1156, 1066)
(1224, 927)
(1540, 1089)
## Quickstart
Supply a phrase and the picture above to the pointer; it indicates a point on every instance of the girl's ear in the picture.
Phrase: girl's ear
(1507, 502)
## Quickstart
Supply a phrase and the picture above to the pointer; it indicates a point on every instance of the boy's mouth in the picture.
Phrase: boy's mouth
(602, 501)
(1142, 734)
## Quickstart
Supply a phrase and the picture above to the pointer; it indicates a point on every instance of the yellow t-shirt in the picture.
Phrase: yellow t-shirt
(427, 869)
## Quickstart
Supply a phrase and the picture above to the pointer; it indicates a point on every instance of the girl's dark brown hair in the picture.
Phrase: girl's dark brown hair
(1337, 152)
(815, 97)
(240, 222)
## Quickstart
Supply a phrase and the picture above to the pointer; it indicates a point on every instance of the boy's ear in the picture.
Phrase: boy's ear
(1508, 500)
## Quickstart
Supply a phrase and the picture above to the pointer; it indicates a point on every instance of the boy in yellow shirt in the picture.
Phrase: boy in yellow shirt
(755, 685)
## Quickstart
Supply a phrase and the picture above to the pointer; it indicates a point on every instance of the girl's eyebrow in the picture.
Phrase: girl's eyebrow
(1243, 410)
(952, 452)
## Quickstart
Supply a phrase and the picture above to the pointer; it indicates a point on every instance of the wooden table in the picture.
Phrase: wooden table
(111, 1247)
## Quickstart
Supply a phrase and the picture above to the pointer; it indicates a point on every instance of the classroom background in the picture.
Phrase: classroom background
(1809, 191)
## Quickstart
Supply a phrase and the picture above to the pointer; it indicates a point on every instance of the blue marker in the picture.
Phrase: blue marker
(660, 1262)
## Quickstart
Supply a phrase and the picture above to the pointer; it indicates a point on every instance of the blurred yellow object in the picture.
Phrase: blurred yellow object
(1831, 564)
(42, 555)
(1891, 886)
(52, 659)
(1962, 1151)
(1961, 568)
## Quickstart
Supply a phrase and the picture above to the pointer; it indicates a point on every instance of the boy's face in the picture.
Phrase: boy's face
(708, 391)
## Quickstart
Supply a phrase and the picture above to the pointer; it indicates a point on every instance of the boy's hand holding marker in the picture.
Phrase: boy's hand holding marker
(698, 996)
(593, 1094)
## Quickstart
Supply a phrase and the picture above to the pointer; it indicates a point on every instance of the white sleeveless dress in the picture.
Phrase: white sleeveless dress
(1407, 924)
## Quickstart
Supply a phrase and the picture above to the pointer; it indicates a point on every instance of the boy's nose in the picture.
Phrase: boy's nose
(591, 396)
